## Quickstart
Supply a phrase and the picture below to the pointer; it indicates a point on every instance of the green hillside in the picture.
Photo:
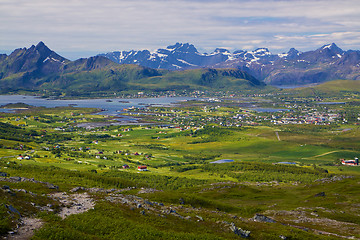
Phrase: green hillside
(100, 74)
(201, 79)
(334, 89)
(339, 85)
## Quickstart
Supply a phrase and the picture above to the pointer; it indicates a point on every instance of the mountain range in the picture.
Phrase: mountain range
(329, 62)
(179, 66)
(39, 68)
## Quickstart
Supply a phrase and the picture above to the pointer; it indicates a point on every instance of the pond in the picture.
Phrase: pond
(223, 161)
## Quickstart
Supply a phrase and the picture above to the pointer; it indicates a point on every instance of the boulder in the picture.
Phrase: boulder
(320, 194)
(239, 231)
(262, 218)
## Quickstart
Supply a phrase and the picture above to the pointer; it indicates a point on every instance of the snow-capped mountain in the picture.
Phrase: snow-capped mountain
(183, 56)
(174, 57)
(38, 67)
(326, 63)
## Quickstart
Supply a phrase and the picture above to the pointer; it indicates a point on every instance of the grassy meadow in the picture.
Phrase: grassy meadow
(314, 198)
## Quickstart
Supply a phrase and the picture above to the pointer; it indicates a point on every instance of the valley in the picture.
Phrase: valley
(286, 180)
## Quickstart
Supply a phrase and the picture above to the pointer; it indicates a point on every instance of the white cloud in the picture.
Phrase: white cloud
(89, 25)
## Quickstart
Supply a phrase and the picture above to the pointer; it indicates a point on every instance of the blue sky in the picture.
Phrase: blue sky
(83, 28)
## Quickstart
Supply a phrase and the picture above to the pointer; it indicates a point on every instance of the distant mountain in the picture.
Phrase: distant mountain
(324, 64)
(23, 66)
(174, 57)
(39, 68)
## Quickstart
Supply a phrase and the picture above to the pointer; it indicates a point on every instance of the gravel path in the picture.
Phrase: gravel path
(26, 230)
(74, 203)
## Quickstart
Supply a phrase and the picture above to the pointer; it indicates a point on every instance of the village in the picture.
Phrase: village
(228, 114)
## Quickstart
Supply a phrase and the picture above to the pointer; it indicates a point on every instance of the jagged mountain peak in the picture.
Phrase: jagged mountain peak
(291, 54)
(45, 52)
(41, 44)
(261, 52)
(39, 53)
(262, 49)
(293, 51)
(182, 47)
(222, 50)
(332, 47)
(32, 63)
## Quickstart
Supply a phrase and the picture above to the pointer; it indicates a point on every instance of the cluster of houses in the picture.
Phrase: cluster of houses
(289, 114)
(354, 162)
(249, 118)
(316, 118)
(126, 153)
(26, 157)
(140, 168)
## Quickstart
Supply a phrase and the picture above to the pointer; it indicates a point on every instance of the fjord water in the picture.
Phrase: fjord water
(111, 106)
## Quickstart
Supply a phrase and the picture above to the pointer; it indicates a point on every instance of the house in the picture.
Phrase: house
(20, 157)
(125, 166)
(27, 157)
(354, 162)
(142, 168)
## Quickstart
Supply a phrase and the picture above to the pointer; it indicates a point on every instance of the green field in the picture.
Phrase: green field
(183, 195)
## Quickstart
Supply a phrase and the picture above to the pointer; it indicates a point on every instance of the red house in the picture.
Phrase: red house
(142, 168)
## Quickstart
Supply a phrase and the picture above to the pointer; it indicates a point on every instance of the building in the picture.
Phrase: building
(142, 168)
(354, 162)
(125, 166)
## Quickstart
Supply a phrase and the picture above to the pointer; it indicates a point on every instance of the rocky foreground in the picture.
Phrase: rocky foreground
(80, 199)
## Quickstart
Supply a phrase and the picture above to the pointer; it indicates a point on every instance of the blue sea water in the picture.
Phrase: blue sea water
(112, 106)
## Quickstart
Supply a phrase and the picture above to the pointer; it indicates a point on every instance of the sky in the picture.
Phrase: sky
(83, 28)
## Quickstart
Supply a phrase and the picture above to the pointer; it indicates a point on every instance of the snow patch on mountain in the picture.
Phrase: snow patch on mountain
(185, 62)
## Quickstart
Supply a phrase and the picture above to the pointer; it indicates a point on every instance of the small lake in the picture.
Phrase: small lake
(223, 161)
(291, 163)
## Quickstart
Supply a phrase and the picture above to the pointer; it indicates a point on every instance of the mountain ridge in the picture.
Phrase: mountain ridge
(326, 63)
(39, 68)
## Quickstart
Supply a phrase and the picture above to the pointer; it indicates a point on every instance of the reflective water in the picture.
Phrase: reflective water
(112, 106)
